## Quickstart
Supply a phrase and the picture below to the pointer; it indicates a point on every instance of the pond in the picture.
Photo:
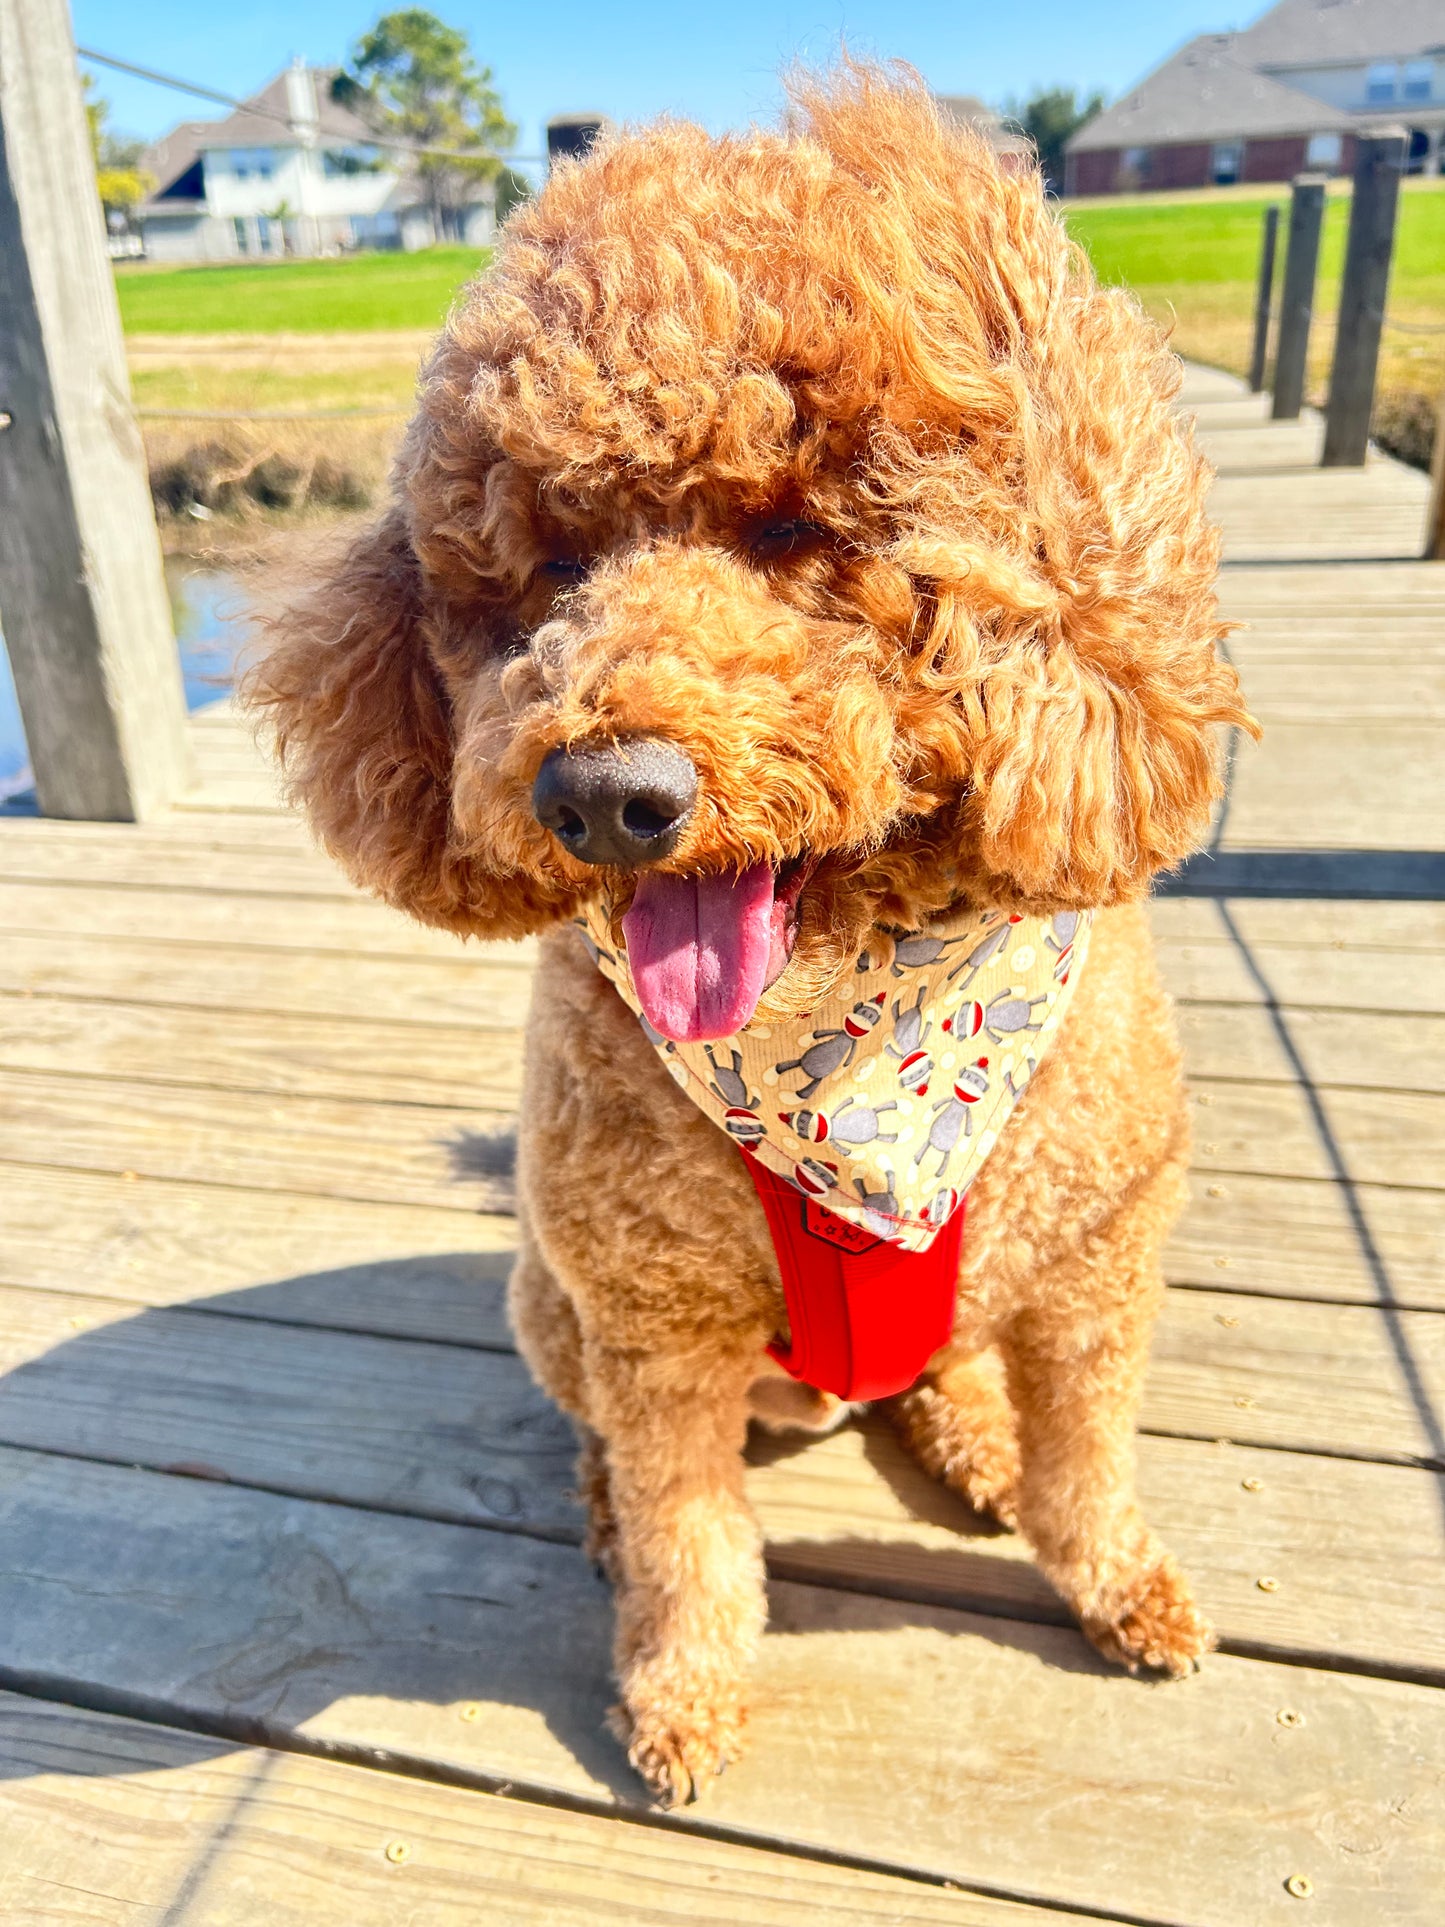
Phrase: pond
(208, 607)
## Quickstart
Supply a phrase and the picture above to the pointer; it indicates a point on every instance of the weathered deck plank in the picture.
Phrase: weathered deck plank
(902, 1734)
(304, 983)
(446, 1155)
(133, 1822)
(1358, 1244)
(463, 1437)
(261, 1051)
(404, 1270)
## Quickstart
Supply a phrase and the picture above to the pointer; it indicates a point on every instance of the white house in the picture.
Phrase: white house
(292, 171)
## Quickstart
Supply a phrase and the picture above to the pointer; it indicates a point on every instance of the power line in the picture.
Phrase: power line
(281, 120)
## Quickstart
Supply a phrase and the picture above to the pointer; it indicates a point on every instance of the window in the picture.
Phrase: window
(1419, 79)
(357, 159)
(1380, 81)
(253, 163)
(1135, 166)
(1323, 152)
(1225, 162)
(243, 238)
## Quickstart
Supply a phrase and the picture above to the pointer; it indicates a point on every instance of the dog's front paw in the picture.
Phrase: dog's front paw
(679, 1746)
(1159, 1628)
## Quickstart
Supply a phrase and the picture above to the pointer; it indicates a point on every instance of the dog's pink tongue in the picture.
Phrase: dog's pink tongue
(699, 948)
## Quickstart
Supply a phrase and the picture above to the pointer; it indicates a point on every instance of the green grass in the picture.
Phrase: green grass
(1193, 262)
(359, 293)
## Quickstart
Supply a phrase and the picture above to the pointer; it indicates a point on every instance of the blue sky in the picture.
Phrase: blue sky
(714, 63)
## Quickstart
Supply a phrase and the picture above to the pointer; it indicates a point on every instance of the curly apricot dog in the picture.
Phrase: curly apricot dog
(814, 470)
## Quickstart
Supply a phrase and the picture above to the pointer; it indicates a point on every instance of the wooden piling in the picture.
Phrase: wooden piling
(1296, 302)
(1379, 162)
(82, 594)
(1263, 299)
(1435, 520)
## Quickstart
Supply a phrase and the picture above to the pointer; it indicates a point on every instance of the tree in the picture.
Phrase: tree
(122, 181)
(1048, 119)
(413, 80)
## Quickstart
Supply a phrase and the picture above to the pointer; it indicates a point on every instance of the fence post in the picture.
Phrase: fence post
(1379, 162)
(82, 594)
(1435, 521)
(1263, 299)
(1297, 297)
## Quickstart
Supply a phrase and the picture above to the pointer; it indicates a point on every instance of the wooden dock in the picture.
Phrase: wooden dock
(294, 1626)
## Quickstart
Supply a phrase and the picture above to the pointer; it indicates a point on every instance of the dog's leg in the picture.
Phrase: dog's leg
(1076, 1365)
(691, 1606)
(544, 1324)
(959, 1425)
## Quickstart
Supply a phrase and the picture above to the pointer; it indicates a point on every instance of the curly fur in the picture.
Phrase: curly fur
(991, 675)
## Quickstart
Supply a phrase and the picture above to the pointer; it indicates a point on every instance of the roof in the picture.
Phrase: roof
(264, 121)
(169, 157)
(1207, 91)
(1315, 33)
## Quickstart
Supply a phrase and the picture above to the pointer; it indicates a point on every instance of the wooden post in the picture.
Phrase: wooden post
(1297, 297)
(1379, 162)
(82, 594)
(1263, 299)
(1435, 521)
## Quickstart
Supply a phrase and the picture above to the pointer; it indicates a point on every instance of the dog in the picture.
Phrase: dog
(791, 517)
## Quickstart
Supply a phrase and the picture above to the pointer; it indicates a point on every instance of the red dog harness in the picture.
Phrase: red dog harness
(865, 1316)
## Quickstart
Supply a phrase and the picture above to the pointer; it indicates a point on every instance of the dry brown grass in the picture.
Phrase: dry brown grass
(250, 434)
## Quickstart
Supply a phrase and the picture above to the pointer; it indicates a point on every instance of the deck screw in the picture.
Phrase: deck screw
(1287, 1716)
(1223, 1264)
(1267, 1585)
(471, 1712)
(1215, 1191)
(1245, 1402)
(1300, 1885)
(398, 1852)
(1252, 1484)
(6, 418)
(1225, 1318)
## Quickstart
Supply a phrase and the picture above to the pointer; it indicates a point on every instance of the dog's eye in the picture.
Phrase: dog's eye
(564, 568)
(778, 539)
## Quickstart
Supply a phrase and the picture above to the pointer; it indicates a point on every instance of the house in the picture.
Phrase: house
(290, 172)
(1271, 100)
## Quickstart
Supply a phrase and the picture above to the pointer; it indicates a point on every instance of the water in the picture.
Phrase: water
(209, 611)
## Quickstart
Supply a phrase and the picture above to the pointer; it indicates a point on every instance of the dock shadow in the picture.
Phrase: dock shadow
(210, 1518)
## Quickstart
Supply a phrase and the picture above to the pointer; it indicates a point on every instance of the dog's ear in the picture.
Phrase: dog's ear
(1097, 750)
(362, 727)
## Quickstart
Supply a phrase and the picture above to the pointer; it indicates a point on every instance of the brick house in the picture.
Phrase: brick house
(1265, 103)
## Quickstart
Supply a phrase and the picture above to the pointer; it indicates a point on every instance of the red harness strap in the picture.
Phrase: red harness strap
(865, 1316)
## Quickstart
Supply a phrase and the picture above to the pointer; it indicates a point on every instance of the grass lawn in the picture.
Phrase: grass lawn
(233, 340)
(357, 292)
(1193, 260)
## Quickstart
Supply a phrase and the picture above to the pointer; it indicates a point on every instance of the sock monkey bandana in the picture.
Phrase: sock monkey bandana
(865, 1121)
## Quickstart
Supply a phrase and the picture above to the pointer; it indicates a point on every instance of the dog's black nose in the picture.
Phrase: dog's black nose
(618, 803)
